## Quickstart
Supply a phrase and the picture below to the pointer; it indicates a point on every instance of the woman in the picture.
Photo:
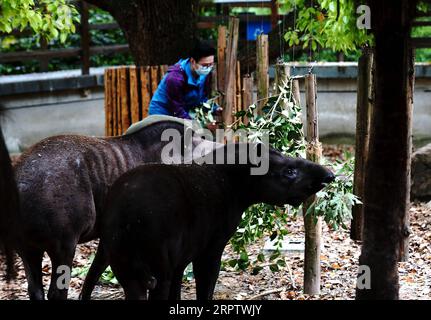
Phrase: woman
(186, 85)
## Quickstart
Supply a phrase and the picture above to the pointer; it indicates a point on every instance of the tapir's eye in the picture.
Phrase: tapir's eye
(290, 173)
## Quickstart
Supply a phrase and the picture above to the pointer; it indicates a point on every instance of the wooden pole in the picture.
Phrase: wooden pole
(282, 74)
(85, 39)
(296, 92)
(238, 93)
(221, 59)
(231, 59)
(247, 95)
(274, 14)
(262, 71)
(145, 91)
(108, 103)
(44, 61)
(363, 109)
(125, 112)
(313, 230)
(117, 88)
(134, 94)
(154, 72)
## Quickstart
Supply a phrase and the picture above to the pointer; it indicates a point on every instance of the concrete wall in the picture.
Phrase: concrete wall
(43, 105)
(34, 117)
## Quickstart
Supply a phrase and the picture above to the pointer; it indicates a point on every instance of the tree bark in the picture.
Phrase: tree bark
(363, 109)
(404, 244)
(158, 31)
(386, 185)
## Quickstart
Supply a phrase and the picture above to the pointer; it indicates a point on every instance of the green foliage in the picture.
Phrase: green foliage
(188, 273)
(319, 26)
(285, 129)
(11, 43)
(106, 278)
(334, 203)
(52, 19)
(423, 54)
(203, 113)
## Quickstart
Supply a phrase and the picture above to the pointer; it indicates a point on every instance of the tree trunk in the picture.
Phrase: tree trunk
(386, 185)
(404, 244)
(363, 109)
(158, 31)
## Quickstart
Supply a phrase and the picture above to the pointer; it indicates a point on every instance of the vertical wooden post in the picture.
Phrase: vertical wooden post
(405, 233)
(85, 39)
(108, 102)
(221, 59)
(154, 79)
(231, 59)
(247, 95)
(163, 69)
(124, 98)
(145, 91)
(282, 74)
(262, 66)
(274, 14)
(296, 92)
(238, 93)
(43, 61)
(114, 102)
(134, 94)
(313, 230)
(363, 112)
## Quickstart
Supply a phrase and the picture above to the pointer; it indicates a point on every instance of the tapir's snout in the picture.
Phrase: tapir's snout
(324, 180)
(329, 177)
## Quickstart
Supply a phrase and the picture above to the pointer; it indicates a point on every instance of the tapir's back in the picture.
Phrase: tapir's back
(62, 181)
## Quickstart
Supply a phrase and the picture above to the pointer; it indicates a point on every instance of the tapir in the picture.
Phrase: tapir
(159, 218)
(62, 183)
(9, 204)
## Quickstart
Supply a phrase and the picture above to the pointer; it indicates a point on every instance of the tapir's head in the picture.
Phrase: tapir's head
(291, 180)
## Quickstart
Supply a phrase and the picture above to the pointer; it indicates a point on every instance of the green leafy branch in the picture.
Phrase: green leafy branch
(325, 24)
(281, 118)
(50, 19)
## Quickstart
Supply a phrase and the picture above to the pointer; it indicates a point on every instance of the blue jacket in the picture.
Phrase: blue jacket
(179, 91)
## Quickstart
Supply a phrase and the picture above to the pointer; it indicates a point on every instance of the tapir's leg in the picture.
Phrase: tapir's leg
(177, 279)
(161, 291)
(10, 264)
(32, 260)
(134, 291)
(62, 259)
(134, 288)
(100, 263)
(206, 269)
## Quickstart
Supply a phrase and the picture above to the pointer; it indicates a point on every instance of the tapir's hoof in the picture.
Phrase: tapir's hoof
(151, 284)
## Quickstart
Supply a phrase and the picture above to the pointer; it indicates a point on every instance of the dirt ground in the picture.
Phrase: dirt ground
(339, 260)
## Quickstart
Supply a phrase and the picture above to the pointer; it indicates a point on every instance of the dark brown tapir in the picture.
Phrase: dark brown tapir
(63, 182)
(159, 218)
(9, 204)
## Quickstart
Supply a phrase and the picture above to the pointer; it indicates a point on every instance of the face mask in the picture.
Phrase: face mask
(203, 71)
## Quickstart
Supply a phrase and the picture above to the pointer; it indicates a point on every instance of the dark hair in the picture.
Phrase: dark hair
(202, 49)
